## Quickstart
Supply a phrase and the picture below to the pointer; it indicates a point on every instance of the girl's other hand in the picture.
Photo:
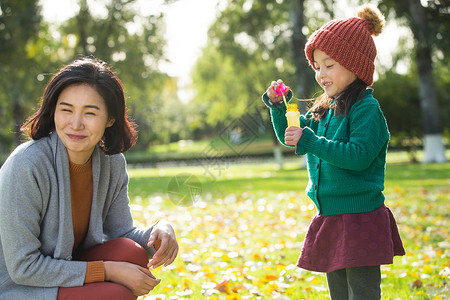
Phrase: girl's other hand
(273, 95)
(168, 249)
(292, 135)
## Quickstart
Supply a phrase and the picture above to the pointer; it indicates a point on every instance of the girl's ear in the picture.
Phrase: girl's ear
(110, 122)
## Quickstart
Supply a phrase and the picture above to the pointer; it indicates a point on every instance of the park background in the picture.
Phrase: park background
(207, 159)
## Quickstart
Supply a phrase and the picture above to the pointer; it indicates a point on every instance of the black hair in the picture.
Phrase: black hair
(118, 138)
(342, 103)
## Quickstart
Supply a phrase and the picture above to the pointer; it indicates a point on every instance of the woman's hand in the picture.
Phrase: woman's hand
(292, 135)
(164, 234)
(136, 278)
(272, 94)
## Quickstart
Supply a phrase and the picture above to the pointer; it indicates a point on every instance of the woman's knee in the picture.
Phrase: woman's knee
(119, 249)
(130, 251)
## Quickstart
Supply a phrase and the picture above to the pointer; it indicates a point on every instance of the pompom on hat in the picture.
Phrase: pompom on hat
(349, 42)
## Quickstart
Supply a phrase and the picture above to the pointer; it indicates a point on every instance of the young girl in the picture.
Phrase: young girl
(345, 138)
(66, 231)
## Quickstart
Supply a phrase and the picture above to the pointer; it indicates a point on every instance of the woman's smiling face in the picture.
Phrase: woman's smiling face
(331, 76)
(81, 117)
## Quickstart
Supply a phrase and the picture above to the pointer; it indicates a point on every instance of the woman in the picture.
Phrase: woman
(66, 231)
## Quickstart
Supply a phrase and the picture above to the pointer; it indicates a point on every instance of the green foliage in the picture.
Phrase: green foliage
(427, 21)
(442, 73)
(436, 12)
(398, 96)
(21, 62)
(249, 46)
(132, 43)
(222, 88)
(170, 120)
(399, 99)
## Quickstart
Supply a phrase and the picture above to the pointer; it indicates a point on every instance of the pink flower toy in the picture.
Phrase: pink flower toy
(280, 89)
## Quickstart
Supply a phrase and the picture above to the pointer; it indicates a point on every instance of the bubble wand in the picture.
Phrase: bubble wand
(292, 113)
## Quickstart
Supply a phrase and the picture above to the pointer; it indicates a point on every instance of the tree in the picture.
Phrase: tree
(399, 100)
(133, 44)
(433, 144)
(251, 44)
(427, 25)
(22, 63)
(30, 53)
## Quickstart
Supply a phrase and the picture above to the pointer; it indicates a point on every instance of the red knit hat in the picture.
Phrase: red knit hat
(349, 42)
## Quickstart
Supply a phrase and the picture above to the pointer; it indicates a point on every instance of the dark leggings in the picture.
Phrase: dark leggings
(121, 249)
(358, 283)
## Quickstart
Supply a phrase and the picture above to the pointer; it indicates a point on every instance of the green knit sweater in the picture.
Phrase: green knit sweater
(346, 156)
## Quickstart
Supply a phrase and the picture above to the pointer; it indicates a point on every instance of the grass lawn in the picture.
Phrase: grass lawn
(240, 229)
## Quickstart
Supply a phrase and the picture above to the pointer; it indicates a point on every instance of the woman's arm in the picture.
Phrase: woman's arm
(24, 196)
(119, 222)
(117, 218)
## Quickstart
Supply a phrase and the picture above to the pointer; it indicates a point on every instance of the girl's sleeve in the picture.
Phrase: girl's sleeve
(278, 117)
(119, 221)
(368, 134)
(24, 192)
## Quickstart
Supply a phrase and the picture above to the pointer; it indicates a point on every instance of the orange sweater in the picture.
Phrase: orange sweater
(81, 187)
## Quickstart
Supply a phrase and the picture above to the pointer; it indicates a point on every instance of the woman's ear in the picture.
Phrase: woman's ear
(110, 122)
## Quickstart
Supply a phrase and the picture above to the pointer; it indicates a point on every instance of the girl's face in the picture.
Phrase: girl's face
(330, 75)
(81, 117)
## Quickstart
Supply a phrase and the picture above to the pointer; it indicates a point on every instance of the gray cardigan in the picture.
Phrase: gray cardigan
(36, 231)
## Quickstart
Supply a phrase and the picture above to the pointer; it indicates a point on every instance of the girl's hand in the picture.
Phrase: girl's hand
(136, 278)
(292, 135)
(168, 249)
(271, 91)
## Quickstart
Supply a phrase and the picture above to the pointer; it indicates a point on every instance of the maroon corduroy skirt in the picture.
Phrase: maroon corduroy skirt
(351, 240)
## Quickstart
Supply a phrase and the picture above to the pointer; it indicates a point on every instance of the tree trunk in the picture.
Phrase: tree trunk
(433, 141)
(304, 85)
(278, 155)
(82, 18)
